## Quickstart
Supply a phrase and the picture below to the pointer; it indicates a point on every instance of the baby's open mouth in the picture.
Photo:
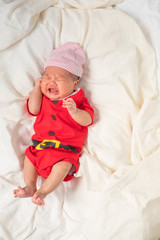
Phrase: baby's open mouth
(52, 90)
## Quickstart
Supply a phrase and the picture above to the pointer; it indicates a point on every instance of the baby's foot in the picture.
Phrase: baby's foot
(38, 198)
(27, 191)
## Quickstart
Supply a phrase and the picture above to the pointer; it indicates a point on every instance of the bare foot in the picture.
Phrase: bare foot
(38, 198)
(27, 191)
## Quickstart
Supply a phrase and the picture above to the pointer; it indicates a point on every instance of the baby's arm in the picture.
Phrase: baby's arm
(35, 99)
(80, 116)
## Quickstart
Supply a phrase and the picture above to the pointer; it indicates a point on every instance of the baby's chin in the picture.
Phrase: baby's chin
(56, 96)
(53, 97)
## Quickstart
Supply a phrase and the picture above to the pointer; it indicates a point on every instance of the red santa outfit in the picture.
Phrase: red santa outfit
(58, 137)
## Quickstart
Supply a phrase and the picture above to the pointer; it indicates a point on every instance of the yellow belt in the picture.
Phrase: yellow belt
(52, 143)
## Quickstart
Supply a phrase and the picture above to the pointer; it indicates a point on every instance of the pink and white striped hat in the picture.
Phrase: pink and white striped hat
(69, 56)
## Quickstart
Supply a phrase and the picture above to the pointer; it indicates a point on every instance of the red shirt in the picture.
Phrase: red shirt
(54, 122)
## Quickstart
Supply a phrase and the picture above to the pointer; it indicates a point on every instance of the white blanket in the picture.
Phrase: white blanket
(116, 193)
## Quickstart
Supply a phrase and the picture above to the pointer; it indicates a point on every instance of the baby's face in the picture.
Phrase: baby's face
(57, 83)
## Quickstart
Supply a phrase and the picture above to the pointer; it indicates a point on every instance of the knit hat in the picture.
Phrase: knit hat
(69, 56)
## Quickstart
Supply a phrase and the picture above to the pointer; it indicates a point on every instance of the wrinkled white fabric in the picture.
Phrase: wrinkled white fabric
(116, 194)
(83, 4)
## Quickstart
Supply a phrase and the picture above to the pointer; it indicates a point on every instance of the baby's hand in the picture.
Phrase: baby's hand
(38, 82)
(70, 105)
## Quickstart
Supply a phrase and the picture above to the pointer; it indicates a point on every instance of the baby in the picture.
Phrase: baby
(63, 115)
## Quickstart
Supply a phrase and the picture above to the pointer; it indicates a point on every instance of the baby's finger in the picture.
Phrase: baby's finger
(68, 102)
(38, 81)
(68, 106)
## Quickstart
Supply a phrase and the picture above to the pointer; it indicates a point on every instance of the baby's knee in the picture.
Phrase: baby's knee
(66, 166)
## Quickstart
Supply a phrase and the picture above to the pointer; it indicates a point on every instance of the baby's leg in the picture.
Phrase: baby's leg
(57, 175)
(30, 178)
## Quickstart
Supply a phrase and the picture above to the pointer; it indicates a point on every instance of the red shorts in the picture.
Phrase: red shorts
(45, 159)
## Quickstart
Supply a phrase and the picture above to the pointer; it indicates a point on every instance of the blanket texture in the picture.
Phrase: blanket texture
(115, 195)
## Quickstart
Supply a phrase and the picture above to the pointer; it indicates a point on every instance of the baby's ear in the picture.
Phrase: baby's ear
(76, 83)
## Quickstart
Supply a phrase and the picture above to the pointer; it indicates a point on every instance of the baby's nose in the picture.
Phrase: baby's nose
(53, 80)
